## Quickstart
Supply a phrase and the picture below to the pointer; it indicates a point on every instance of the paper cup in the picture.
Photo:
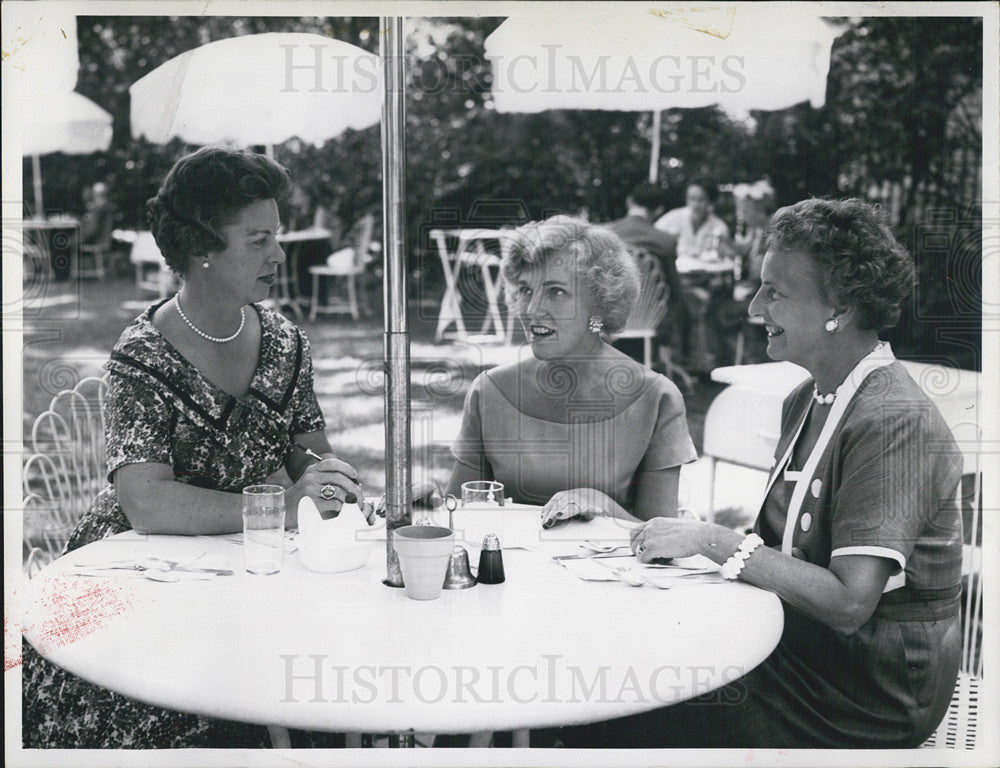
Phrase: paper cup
(423, 557)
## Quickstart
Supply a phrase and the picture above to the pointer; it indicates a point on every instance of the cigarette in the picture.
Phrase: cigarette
(313, 455)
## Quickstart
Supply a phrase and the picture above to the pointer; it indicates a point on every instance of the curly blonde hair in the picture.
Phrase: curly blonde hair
(602, 260)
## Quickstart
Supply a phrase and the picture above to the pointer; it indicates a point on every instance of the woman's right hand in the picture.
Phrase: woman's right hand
(338, 475)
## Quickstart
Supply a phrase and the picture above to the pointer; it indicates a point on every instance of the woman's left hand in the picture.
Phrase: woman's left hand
(664, 537)
(583, 503)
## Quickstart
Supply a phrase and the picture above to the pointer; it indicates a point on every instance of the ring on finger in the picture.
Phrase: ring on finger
(328, 492)
(564, 512)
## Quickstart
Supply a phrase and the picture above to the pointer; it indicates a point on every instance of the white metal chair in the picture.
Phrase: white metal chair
(97, 249)
(476, 249)
(651, 306)
(742, 427)
(961, 727)
(347, 263)
(65, 471)
(741, 337)
(151, 270)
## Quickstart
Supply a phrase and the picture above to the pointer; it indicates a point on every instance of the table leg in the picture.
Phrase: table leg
(492, 289)
(480, 740)
(353, 740)
(287, 293)
(280, 738)
(403, 740)
(451, 310)
(451, 303)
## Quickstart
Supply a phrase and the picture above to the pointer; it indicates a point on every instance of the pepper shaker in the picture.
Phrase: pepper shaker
(490, 561)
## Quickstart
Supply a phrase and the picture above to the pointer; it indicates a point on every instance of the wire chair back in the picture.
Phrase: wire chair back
(66, 469)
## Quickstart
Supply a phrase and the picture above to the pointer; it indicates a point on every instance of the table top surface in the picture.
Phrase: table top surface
(343, 652)
(956, 392)
(303, 235)
(66, 223)
(473, 233)
(687, 266)
(782, 377)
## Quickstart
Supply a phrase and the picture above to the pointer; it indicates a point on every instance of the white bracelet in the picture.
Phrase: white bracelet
(735, 564)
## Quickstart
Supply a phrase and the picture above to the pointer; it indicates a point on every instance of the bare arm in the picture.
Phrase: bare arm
(842, 596)
(657, 494)
(154, 502)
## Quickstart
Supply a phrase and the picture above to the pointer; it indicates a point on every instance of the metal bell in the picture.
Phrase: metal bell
(459, 574)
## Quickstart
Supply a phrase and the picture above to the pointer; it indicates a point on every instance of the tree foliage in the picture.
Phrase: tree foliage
(901, 125)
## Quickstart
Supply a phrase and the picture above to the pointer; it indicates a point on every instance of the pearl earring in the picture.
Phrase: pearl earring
(204, 264)
(596, 325)
(832, 325)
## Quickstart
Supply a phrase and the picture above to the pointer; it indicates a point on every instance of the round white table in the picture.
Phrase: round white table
(343, 652)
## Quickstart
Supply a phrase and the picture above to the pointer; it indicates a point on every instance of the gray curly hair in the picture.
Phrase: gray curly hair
(862, 263)
(609, 271)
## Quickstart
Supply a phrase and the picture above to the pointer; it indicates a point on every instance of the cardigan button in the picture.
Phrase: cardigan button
(798, 553)
(806, 521)
(816, 487)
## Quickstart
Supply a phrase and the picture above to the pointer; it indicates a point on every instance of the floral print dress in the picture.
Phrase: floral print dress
(160, 408)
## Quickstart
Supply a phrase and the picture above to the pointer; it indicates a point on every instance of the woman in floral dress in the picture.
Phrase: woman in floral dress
(208, 392)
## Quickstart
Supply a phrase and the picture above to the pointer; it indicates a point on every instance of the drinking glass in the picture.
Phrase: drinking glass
(482, 492)
(263, 528)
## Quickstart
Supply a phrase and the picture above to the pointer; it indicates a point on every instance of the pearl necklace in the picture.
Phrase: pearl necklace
(828, 399)
(196, 329)
(823, 399)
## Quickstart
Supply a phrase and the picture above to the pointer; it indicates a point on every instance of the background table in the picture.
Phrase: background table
(688, 266)
(51, 246)
(342, 652)
(287, 282)
(955, 391)
(471, 251)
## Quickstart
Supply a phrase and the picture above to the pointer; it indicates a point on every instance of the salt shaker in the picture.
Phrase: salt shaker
(490, 561)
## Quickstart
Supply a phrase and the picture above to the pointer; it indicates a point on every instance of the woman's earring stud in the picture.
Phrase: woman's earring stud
(596, 325)
(204, 264)
(832, 325)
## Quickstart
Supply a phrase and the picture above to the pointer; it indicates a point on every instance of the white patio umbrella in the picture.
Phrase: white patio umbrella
(636, 57)
(63, 121)
(259, 89)
(40, 65)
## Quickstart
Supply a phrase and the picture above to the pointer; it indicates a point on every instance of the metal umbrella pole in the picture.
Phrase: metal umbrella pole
(396, 360)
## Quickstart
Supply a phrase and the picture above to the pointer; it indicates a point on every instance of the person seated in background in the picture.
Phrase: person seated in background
(703, 236)
(699, 232)
(754, 205)
(98, 216)
(644, 205)
(578, 427)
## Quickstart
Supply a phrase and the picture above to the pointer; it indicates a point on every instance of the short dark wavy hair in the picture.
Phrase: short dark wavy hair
(608, 269)
(205, 191)
(862, 263)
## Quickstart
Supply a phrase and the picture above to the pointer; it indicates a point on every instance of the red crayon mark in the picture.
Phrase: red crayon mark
(11, 637)
(68, 608)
